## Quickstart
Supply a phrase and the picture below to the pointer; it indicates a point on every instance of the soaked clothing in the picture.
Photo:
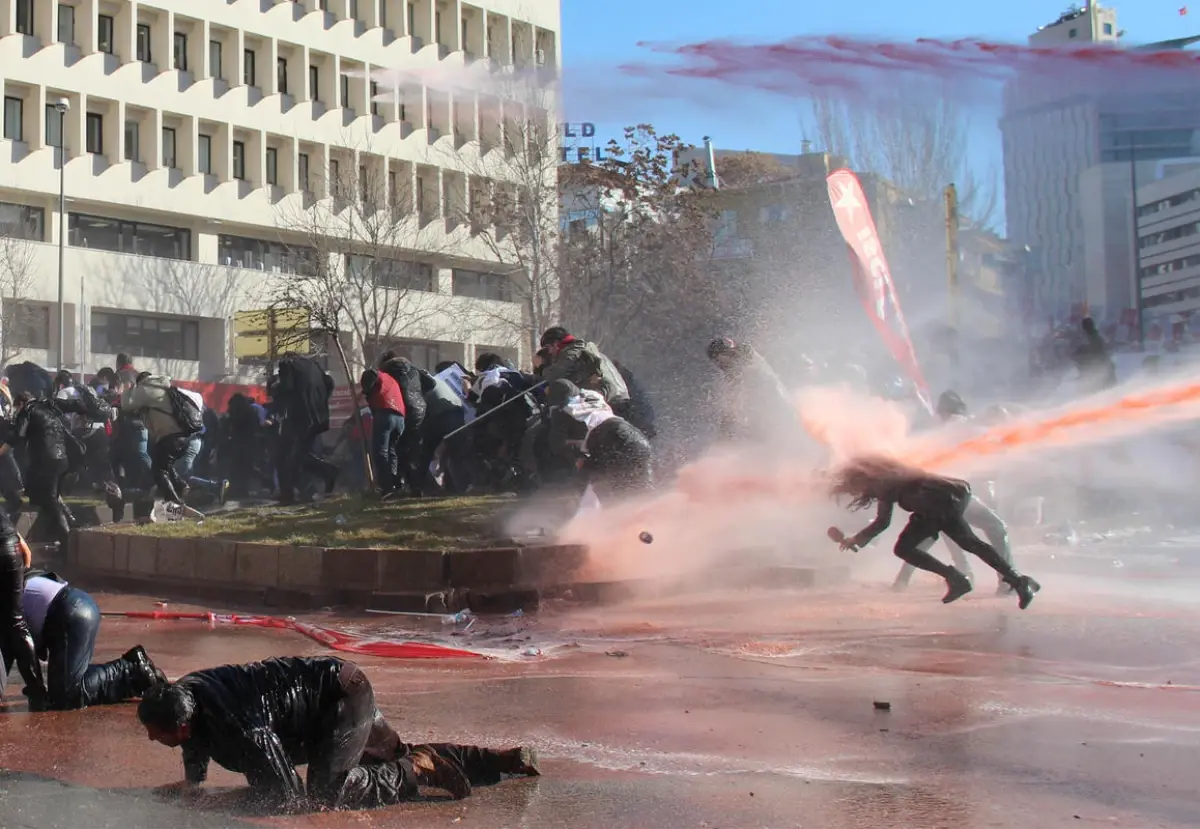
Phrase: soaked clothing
(40, 429)
(617, 456)
(265, 718)
(15, 636)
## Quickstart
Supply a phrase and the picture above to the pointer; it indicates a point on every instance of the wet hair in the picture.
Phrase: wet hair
(167, 707)
(863, 479)
(1089, 325)
(387, 357)
(554, 336)
(63, 378)
(105, 375)
(23, 398)
(123, 360)
(560, 391)
(369, 380)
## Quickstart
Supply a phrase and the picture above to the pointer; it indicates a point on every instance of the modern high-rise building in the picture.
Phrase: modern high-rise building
(1075, 151)
(1169, 240)
(203, 139)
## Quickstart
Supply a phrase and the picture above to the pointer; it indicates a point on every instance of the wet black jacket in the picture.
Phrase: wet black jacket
(408, 377)
(933, 498)
(302, 394)
(260, 719)
(40, 426)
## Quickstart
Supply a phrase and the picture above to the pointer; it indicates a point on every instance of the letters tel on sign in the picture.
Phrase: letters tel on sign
(583, 155)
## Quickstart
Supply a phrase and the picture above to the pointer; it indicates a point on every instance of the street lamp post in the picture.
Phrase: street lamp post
(62, 106)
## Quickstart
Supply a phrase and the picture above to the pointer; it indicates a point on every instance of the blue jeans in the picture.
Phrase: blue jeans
(188, 462)
(386, 430)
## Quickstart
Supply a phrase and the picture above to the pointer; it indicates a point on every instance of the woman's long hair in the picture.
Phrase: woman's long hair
(865, 479)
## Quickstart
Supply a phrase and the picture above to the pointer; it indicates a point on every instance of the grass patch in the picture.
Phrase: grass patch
(351, 521)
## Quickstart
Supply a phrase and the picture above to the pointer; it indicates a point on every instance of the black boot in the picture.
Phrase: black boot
(957, 586)
(126, 678)
(1025, 588)
(144, 673)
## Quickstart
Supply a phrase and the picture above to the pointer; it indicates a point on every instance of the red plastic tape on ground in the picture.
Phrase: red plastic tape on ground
(333, 639)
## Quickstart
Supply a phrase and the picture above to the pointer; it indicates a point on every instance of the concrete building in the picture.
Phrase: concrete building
(1072, 152)
(1168, 219)
(191, 128)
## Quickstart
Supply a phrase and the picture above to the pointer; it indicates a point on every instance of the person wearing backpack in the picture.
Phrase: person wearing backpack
(171, 420)
(187, 464)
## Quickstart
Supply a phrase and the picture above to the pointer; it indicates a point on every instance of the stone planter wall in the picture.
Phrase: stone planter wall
(504, 578)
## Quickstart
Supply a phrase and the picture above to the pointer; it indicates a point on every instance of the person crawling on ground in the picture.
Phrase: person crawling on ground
(263, 719)
(936, 505)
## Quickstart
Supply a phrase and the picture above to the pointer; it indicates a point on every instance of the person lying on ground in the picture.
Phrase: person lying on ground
(263, 719)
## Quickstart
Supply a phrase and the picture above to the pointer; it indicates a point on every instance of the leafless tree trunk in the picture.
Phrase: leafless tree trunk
(16, 279)
(918, 139)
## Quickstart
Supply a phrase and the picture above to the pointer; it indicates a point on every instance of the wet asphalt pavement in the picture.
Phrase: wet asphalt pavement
(731, 710)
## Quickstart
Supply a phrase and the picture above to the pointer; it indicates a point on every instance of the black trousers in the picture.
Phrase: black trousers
(11, 484)
(619, 460)
(14, 631)
(343, 736)
(435, 429)
(295, 455)
(43, 485)
(69, 641)
(165, 453)
(922, 531)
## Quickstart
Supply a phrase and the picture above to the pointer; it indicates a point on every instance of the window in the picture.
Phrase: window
(1170, 235)
(354, 9)
(104, 33)
(281, 75)
(1178, 200)
(480, 285)
(437, 27)
(204, 154)
(54, 125)
(345, 93)
(168, 147)
(335, 175)
(14, 118)
(1108, 30)
(143, 43)
(181, 51)
(95, 133)
(302, 171)
(66, 25)
(364, 192)
(120, 236)
(403, 112)
(272, 162)
(314, 83)
(392, 274)
(26, 324)
(214, 59)
(374, 95)
(21, 221)
(393, 192)
(248, 73)
(25, 17)
(131, 141)
(412, 18)
(239, 159)
(241, 252)
(143, 336)
(464, 34)
(1073, 33)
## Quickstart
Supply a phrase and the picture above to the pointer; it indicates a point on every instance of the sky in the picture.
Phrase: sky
(597, 37)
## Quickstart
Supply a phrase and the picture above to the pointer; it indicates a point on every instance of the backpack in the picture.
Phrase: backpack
(98, 409)
(186, 412)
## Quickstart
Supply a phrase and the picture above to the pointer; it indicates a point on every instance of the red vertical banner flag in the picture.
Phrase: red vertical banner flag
(872, 277)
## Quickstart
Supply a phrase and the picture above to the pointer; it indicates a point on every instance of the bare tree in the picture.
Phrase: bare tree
(16, 279)
(361, 267)
(508, 199)
(638, 243)
(918, 139)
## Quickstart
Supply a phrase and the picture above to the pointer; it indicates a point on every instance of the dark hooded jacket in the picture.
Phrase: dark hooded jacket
(39, 425)
(585, 366)
(302, 394)
(261, 719)
(409, 378)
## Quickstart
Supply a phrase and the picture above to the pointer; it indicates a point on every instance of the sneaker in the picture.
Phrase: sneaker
(145, 673)
(174, 512)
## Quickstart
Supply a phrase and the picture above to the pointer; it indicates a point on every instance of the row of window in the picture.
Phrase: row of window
(1172, 297)
(1177, 200)
(28, 326)
(1169, 235)
(106, 29)
(1173, 265)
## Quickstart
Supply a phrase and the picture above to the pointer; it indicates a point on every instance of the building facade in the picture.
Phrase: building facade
(201, 138)
(1169, 249)
(1073, 152)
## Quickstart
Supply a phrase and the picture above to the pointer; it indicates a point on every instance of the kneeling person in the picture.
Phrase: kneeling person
(263, 719)
(64, 621)
(615, 455)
